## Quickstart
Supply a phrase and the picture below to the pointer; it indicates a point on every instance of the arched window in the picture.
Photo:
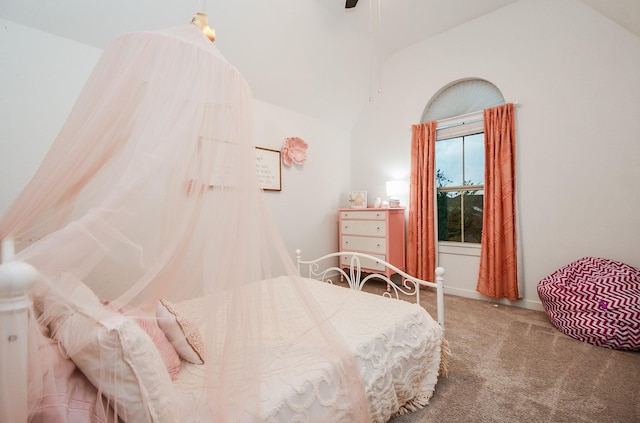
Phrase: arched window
(462, 97)
(458, 109)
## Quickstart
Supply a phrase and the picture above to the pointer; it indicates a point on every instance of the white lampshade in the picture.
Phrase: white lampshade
(395, 188)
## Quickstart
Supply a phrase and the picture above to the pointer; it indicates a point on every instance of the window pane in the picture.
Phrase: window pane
(449, 163)
(473, 206)
(449, 215)
(459, 163)
(473, 159)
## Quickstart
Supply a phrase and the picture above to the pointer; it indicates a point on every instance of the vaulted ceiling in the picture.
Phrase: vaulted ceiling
(312, 56)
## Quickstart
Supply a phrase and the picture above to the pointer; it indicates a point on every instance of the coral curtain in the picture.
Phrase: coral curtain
(498, 256)
(421, 248)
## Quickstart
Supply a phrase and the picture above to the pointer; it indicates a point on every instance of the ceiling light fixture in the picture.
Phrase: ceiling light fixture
(201, 21)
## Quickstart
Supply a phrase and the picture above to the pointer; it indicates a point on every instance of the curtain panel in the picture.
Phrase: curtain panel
(498, 277)
(421, 242)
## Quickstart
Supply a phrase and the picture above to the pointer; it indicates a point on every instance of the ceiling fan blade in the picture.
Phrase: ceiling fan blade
(350, 4)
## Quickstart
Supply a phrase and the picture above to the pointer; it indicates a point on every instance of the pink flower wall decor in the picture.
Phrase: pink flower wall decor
(294, 150)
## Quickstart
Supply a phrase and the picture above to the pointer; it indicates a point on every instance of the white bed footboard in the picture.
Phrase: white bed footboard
(15, 278)
(325, 269)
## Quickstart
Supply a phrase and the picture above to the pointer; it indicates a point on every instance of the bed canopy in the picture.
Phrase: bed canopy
(148, 196)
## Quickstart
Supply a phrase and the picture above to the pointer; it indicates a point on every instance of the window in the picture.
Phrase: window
(460, 178)
(460, 157)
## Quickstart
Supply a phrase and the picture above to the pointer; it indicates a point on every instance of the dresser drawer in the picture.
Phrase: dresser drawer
(364, 262)
(364, 227)
(370, 215)
(364, 244)
(377, 232)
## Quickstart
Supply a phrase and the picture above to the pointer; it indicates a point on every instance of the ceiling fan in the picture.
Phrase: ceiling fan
(350, 4)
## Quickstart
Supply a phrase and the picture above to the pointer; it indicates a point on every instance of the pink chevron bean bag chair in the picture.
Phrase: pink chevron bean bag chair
(595, 300)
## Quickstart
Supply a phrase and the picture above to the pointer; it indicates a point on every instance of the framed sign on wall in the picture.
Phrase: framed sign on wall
(269, 169)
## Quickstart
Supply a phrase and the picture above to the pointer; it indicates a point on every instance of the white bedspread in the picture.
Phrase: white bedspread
(397, 346)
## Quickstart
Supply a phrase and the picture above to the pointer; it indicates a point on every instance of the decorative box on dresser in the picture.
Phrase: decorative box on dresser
(375, 231)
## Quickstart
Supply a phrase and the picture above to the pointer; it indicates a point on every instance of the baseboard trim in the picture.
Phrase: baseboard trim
(466, 293)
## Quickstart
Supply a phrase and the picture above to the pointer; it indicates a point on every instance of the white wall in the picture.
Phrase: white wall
(575, 74)
(306, 208)
(41, 75)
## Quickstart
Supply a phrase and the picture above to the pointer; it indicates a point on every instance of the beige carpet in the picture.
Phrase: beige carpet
(511, 365)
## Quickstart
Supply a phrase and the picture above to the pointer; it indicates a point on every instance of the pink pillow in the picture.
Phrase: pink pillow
(115, 354)
(72, 398)
(150, 326)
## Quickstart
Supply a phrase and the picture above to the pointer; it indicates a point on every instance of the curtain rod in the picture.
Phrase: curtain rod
(465, 119)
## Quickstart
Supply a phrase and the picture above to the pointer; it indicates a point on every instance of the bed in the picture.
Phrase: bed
(399, 348)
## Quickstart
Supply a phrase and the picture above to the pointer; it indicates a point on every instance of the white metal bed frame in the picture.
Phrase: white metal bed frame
(15, 279)
(325, 270)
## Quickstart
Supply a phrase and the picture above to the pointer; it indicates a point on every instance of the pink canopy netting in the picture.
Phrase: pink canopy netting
(149, 192)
